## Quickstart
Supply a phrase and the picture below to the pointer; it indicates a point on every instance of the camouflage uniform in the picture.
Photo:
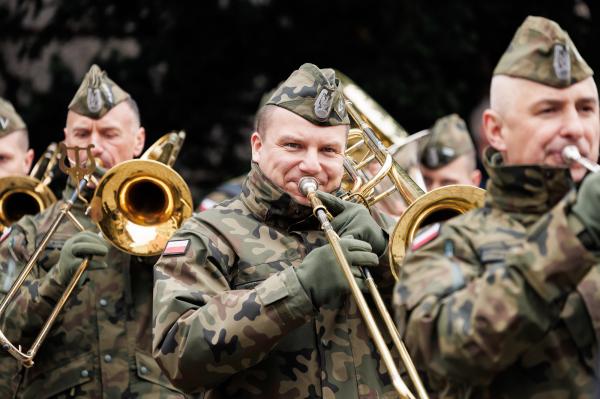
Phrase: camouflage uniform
(227, 190)
(502, 302)
(10, 121)
(100, 345)
(231, 317)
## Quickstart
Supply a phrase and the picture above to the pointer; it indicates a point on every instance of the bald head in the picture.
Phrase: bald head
(530, 122)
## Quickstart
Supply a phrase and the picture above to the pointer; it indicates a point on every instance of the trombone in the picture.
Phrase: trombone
(308, 187)
(28, 195)
(423, 207)
(148, 191)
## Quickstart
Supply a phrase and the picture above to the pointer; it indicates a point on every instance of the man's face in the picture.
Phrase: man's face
(539, 121)
(116, 136)
(15, 158)
(459, 171)
(291, 147)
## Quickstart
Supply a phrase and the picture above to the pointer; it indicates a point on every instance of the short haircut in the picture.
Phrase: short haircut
(136, 111)
(263, 115)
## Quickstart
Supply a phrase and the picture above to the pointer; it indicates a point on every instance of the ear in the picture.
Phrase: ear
(476, 177)
(140, 139)
(256, 144)
(493, 125)
(28, 161)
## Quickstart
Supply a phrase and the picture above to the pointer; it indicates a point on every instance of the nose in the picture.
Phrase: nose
(573, 127)
(310, 164)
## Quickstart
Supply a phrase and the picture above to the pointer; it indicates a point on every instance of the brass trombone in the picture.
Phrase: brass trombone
(148, 191)
(308, 187)
(423, 208)
(28, 195)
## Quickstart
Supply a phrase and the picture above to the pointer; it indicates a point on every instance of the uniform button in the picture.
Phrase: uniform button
(84, 373)
(103, 302)
(107, 358)
(144, 370)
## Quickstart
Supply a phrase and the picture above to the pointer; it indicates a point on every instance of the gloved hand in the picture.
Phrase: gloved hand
(322, 277)
(354, 220)
(586, 206)
(76, 248)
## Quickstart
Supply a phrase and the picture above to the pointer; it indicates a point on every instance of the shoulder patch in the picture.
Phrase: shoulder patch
(5, 234)
(426, 236)
(207, 203)
(176, 247)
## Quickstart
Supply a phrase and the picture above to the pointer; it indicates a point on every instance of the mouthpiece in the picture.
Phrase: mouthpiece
(307, 185)
(571, 154)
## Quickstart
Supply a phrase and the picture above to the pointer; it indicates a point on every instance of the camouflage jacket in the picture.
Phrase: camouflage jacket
(503, 303)
(100, 345)
(230, 315)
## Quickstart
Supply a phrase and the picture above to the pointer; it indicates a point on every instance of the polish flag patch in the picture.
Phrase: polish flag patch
(176, 247)
(426, 236)
(5, 233)
(207, 203)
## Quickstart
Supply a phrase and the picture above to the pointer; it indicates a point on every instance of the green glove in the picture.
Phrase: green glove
(322, 277)
(76, 248)
(354, 220)
(586, 206)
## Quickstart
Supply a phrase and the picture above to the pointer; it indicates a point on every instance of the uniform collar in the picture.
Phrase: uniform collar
(528, 189)
(269, 203)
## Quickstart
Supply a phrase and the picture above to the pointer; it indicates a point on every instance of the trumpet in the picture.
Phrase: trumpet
(571, 154)
(308, 187)
(146, 190)
(28, 195)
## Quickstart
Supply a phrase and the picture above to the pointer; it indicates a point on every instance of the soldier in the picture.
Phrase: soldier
(100, 345)
(448, 155)
(502, 302)
(248, 299)
(15, 155)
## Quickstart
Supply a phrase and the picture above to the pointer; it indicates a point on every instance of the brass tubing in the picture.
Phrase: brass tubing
(308, 187)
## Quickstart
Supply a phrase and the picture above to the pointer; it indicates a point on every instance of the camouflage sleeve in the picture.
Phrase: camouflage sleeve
(468, 323)
(35, 300)
(205, 330)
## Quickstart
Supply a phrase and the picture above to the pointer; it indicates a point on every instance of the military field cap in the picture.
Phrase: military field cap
(314, 94)
(97, 94)
(544, 53)
(10, 121)
(448, 139)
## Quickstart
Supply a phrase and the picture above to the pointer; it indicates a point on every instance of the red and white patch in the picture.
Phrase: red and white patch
(425, 236)
(207, 203)
(176, 247)
(5, 234)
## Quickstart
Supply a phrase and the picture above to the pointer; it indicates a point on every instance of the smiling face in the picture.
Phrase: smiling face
(289, 147)
(116, 137)
(531, 123)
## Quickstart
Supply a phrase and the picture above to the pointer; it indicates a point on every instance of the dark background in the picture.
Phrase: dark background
(203, 65)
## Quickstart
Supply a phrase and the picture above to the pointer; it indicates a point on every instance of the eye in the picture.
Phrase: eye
(81, 133)
(290, 145)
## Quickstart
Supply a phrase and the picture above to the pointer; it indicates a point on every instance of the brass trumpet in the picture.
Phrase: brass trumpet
(308, 187)
(28, 195)
(149, 192)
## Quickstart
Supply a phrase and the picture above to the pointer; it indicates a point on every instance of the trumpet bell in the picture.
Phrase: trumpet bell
(22, 195)
(434, 206)
(140, 204)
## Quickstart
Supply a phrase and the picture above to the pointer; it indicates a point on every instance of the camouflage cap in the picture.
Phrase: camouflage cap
(448, 140)
(314, 94)
(544, 53)
(10, 121)
(97, 94)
